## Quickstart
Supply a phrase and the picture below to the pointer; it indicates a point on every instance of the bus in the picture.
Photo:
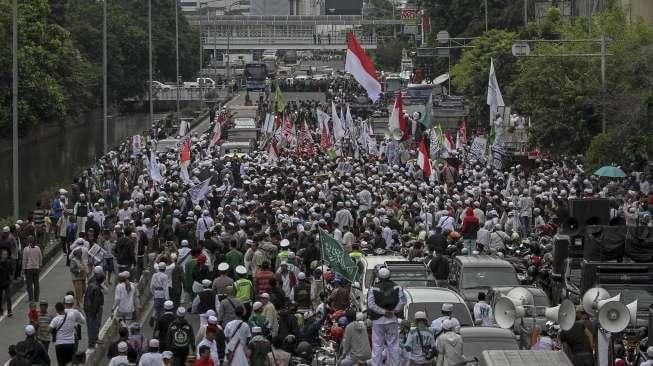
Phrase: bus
(255, 75)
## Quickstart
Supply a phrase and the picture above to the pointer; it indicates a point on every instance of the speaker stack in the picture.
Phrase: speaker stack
(585, 212)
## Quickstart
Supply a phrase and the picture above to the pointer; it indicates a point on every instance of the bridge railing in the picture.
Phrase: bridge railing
(299, 39)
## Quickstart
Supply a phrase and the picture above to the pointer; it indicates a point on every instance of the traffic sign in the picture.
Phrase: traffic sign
(521, 49)
(443, 37)
(433, 52)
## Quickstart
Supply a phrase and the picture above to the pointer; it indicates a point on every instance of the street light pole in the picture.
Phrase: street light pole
(486, 28)
(149, 41)
(525, 13)
(603, 83)
(14, 102)
(105, 123)
(177, 53)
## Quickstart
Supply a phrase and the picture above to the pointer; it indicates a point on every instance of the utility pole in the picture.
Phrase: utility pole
(14, 102)
(486, 27)
(177, 55)
(149, 43)
(525, 13)
(105, 123)
(603, 82)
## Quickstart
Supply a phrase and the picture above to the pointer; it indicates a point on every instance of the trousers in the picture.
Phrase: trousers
(65, 353)
(5, 297)
(32, 284)
(93, 322)
(385, 337)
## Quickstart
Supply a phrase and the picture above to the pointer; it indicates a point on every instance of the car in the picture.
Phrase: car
(523, 357)
(479, 339)
(301, 75)
(368, 266)
(238, 149)
(431, 299)
(319, 77)
(160, 85)
(471, 274)
(244, 122)
(410, 274)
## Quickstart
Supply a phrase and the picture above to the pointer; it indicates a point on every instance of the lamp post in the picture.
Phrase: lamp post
(177, 54)
(105, 123)
(485, 6)
(149, 46)
(14, 102)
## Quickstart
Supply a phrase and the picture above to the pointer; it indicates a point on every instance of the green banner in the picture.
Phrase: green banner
(335, 256)
(279, 102)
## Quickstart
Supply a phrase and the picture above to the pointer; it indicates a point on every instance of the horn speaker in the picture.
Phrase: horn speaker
(614, 316)
(591, 299)
(506, 310)
(563, 314)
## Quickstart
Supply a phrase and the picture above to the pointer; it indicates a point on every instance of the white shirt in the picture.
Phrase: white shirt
(214, 350)
(243, 333)
(120, 360)
(483, 314)
(159, 285)
(151, 359)
(204, 224)
(125, 301)
(66, 334)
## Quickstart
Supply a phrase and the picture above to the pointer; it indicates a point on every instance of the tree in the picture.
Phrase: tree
(470, 75)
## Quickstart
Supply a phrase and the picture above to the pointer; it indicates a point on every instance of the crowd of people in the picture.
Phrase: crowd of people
(238, 245)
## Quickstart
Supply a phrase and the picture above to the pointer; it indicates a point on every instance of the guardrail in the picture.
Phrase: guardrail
(247, 40)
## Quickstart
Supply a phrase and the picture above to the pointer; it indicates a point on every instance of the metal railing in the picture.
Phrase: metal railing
(296, 19)
(300, 39)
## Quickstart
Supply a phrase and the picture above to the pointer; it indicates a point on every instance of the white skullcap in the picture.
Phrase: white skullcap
(285, 243)
(30, 330)
(223, 267)
(212, 320)
(384, 273)
(68, 299)
(206, 283)
(122, 347)
(257, 305)
(181, 311)
(168, 305)
(154, 343)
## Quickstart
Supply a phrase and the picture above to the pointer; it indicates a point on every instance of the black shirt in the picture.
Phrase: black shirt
(576, 338)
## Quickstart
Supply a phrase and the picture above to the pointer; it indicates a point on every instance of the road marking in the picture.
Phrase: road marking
(41, 277)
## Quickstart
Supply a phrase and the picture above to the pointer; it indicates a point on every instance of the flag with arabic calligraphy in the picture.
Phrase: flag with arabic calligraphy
(337, 258)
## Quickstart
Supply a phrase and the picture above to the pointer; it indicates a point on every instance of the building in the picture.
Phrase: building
(273, 7)
(343, 7)
(634, 9)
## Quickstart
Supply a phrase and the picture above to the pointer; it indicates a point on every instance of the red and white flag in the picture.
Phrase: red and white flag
(273, 151)
(287, 130)
(423, 159)
(305, 141)
(220, 118)
(448, 142)
(461, 139)
(362, 68)
(397, 119)
(184, 152)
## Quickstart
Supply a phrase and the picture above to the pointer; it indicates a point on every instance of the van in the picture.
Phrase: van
(231, 148)
(523, 357)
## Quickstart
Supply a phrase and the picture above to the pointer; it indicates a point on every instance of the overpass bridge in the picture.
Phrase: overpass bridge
(292, 32)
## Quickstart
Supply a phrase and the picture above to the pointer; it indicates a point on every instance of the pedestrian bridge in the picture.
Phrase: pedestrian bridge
(293, 32)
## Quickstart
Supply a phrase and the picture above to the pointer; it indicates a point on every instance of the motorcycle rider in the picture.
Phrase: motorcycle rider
(384, 300)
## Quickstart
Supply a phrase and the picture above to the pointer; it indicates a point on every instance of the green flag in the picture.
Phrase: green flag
(337, 258)
(279, 102)
(427, 117)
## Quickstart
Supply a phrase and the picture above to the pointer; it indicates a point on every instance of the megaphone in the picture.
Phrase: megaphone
(614, 316)
(600, 303)
(592, 297)
(506, 310)
(563, 314)
(521, 294)
(397, 134)
(571, 227)
(632, 309)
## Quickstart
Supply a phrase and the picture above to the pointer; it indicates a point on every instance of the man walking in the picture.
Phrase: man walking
(6, 275)
(32, 261)
(93, 304)
(63, 330)
(180, 338)
(383, 301)
(159, 289)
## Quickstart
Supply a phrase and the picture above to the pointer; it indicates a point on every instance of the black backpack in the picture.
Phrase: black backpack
(179, 336)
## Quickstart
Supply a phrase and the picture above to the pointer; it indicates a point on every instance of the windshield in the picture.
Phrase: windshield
(434, 310)
(255, 72)
(489, 277)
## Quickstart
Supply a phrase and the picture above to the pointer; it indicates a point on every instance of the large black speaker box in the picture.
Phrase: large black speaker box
(586, 212)
(560, 254)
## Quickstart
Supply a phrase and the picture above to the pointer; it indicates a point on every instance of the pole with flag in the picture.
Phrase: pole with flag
(362, 68)
(427, 117)
(423, 159)
(279, 101)
(338, 260)
(494, 97)
(397, 119)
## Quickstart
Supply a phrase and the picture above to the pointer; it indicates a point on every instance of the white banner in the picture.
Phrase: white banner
(478, 147)
(136, 144)
(199, 191)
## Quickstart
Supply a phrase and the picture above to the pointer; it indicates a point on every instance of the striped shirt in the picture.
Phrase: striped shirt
(44, 334)
(38, 217)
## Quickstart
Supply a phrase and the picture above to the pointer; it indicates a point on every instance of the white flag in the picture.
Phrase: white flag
(338, 131)
(155, 174)
(494, 98)
(136, 144)
(199, 192)
(323, 122)
(183, 174)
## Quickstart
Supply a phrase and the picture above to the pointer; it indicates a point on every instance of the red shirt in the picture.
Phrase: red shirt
(262, 281)
(201, 362)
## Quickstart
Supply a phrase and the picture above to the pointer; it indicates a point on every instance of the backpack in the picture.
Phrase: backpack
(178, 336)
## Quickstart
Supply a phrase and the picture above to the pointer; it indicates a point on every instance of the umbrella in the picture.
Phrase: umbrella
(610, 171)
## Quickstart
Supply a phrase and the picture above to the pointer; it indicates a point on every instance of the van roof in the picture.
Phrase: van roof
(482, 261)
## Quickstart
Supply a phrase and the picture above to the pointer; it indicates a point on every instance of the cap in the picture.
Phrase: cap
(206, 283)
(420, 315)
(284, 263)
(384, 273)
(448, 324)
(29, 330)
(184, 243)
(285, 243)
(209, 313)
(212, 320)
(154, 343)
(223, 267)
(122, 347)
(301, 276)
(168, 305)
(123, 274)
(167, 355)
(257, 330)
(98, 270)
(6, 229)
(264, 295)
(447, 307)
(241, 270)
(257, 305)
(181, 311)
(68, 299)
(308, 314)
(43, 302)
(162, 265)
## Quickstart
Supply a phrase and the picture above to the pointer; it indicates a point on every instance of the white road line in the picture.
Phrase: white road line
(41, 277)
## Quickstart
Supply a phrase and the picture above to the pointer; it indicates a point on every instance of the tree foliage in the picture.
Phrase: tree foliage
(60, 55)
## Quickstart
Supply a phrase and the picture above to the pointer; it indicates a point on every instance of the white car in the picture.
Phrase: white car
(369, 265)
(431, 299)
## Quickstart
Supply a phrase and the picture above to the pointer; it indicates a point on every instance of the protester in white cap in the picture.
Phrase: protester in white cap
(282, 256)
(244, 289)
(204, 224)
(223, 280)
(180, 338)
(64, 326)
(121, 359)
(205, 300)
(159, 289)
(420, 342)
(227, 310)
(164, 321)
(152, 357)
(384, 300)
(270, 313)
(32, 348)
(125, 298)
(355, 347)
(449, 346)
(209, 341)
(209, 319)
(237, 333)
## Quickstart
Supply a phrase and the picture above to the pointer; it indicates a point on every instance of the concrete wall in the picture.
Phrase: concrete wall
(270, 7)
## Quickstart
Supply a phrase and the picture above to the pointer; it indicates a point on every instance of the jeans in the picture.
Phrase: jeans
(93, 322)
(6, 296)
(526, 225)
(158, 307)
(32, 284)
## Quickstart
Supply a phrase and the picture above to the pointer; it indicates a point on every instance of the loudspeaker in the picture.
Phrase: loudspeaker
(591, 299)
(506, 310)
(560, 254)
(600, 303)
(585, 212)
(563, 314)
(614, 316)
(632, 308)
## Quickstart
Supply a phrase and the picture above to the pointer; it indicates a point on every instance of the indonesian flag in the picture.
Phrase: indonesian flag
(287, 131)
(397, 119)
(462, 131)
(217, 129)
(305, 144)
(273, 152)
(448, 142)
(423, 159)
(325, 139)
(362, 68)
(184, 152)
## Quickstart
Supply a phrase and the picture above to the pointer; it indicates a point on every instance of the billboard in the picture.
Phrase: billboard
(343, 7)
